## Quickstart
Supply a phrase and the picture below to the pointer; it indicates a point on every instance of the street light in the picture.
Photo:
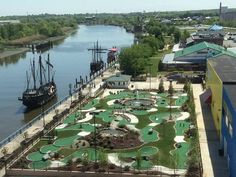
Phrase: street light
(95, 136)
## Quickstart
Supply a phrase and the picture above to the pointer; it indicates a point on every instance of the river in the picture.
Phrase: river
(70, 59)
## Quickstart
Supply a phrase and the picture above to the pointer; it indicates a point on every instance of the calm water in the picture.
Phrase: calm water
(70, 59)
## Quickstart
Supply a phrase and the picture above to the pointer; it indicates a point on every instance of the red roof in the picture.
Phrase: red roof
(113, 49)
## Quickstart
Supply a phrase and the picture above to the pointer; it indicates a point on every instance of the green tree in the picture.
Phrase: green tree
(133, 60)
(177, 35)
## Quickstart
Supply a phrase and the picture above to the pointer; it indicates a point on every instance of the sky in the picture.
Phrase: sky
(24, 7)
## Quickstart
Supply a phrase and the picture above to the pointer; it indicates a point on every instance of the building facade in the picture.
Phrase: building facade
(228, 136)
(221, 80)
(118, 81)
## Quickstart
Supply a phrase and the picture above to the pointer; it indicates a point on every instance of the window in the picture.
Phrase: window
(226, 121)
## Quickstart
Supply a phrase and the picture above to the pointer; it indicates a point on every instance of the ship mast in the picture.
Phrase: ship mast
(27, 80)
(48, 68)
(33, 73)
(40, 70)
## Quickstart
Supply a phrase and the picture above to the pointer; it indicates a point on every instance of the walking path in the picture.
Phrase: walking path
(213, 164)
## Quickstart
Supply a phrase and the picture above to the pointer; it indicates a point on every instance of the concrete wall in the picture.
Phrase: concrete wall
(215, 84)
(228, 141)
(19, 172)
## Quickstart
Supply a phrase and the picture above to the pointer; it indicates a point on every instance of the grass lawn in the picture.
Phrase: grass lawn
(154, 62)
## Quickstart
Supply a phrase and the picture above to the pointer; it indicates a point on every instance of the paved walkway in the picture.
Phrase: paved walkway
(213, 164)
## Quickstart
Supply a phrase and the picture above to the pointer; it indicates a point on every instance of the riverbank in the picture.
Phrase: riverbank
(12, 52)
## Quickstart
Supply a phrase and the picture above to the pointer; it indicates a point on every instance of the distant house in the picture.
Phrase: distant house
(192, 58)
(166, 21)
(118, 81)
(221, 84)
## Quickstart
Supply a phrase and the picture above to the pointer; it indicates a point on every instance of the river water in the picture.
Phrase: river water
(70, 59)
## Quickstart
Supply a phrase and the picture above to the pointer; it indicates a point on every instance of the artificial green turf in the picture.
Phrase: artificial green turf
(157, 145)
(65, 141)
(48, 148)
(165, 144)
(148, 138)
(181, 126)
(35, 156)
(91, 104)
(39, 165)
(180, 155)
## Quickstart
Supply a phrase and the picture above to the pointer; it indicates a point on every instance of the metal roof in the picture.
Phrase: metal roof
(198, 47)
(119, 78)
(225, 67)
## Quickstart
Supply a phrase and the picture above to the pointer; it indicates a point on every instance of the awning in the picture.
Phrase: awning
(207, 96)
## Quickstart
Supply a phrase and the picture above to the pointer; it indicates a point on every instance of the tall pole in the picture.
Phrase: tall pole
(95, 138)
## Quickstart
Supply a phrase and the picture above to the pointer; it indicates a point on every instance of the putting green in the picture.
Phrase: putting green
(47, 148)
(65, 141)
(144, 151)
(35, 156)
(106, 116)
(139, 112)
(72, 118)
(148, 151)
(39, 165)
(162, 102)
(160, 116)
(180, 127)
(181, 100)
(149, 138)
(91, 104)
(181, 155)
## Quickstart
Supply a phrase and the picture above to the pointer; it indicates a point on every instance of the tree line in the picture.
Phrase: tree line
(49, 26)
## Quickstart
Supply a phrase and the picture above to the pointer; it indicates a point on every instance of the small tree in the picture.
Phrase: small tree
(138, 159)
(103, 159)
(186, 86)
(171, 89)
(161, 88)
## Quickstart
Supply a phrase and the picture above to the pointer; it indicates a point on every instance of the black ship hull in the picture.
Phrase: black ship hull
(96, 66)
(40, 96)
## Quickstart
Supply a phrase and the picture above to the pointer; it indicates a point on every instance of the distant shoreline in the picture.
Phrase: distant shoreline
(9, 52)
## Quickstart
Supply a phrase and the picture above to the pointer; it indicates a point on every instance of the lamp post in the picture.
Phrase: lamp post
(171, 90)
(95, 136)
(150, 78)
